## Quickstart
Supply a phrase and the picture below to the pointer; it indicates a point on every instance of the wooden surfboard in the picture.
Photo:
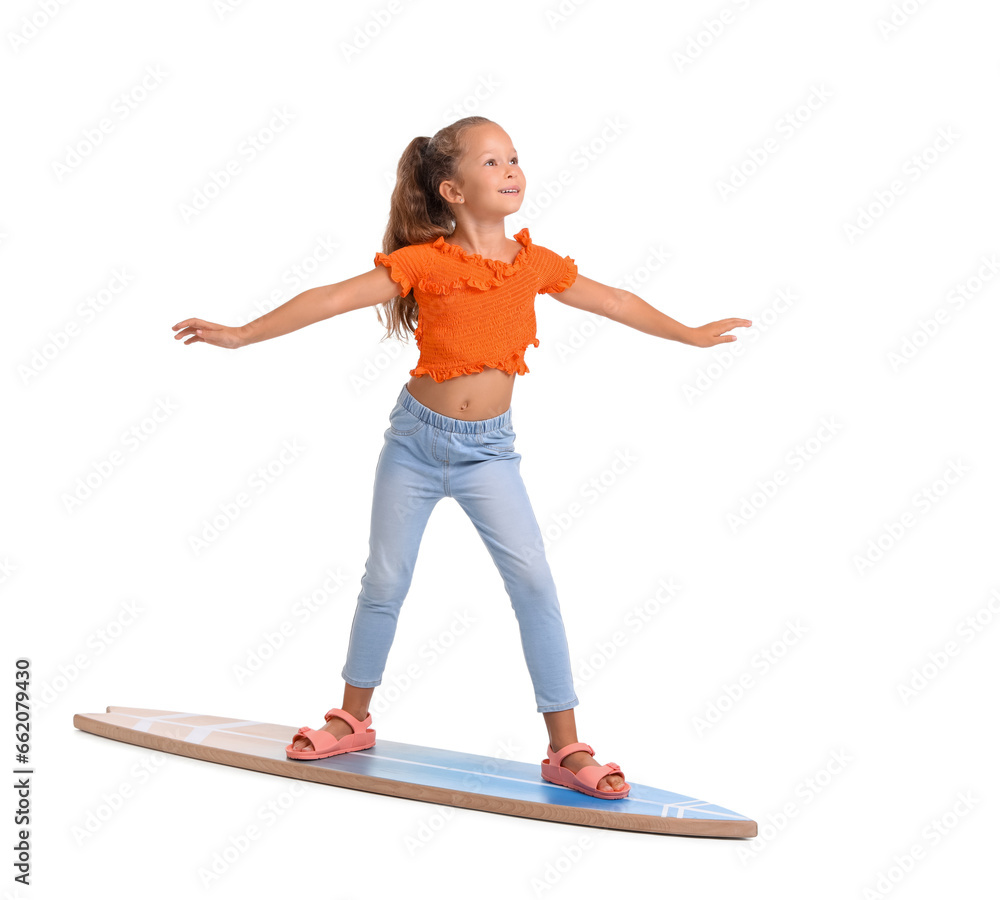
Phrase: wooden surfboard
(446, 777)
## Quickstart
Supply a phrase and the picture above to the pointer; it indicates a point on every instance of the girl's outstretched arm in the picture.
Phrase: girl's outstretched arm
(313, 305)
(623, 306)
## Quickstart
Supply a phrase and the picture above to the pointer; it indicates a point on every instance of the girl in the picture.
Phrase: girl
(466, 291)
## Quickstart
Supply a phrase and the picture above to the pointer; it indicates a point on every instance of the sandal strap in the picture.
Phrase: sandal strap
(555, 759)
(356, 726)
(590, 775)
(321, 740)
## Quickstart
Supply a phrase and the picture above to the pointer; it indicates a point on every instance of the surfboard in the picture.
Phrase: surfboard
(447, 777)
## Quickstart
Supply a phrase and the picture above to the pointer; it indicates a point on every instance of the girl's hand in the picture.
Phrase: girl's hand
(200, 330)
(714, 332)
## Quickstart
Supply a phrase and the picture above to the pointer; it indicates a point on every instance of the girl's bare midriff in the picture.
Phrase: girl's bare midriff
(479, 395)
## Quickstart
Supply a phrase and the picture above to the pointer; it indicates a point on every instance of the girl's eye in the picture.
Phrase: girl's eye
(492, 161)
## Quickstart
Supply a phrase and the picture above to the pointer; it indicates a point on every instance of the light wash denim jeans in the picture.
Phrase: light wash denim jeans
(427, 456)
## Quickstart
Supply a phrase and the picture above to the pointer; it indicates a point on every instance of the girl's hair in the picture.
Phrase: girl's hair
(417, 211)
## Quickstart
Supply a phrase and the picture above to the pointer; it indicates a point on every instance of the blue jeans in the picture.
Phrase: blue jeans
(427, 456)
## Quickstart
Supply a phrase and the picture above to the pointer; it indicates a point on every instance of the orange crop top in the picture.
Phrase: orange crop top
(475, 312)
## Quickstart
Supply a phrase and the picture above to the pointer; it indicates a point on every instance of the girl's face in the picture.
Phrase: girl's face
(489, 179)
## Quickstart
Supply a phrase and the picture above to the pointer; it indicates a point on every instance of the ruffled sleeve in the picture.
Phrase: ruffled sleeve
(404, 267)
(555, 272)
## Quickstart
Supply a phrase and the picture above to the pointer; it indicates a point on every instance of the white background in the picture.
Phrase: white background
(643, 132)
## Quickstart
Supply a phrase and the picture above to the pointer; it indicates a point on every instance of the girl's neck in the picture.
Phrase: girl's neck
(488, 241)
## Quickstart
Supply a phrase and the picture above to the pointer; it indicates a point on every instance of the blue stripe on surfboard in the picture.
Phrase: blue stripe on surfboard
(471, 773)
(510, 779)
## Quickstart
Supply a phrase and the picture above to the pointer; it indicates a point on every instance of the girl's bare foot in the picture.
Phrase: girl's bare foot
(336, 726)
(561, 726)
(579, 759)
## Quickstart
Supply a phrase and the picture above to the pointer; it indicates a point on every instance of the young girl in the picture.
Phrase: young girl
(451, 276)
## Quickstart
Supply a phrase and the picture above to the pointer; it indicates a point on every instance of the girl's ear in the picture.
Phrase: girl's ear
(449, 191)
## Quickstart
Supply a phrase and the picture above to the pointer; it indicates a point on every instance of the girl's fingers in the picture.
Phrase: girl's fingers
(197, 323)
(194, 328)
(724, 325)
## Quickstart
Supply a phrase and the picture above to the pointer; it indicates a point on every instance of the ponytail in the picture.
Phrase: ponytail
(417, 211)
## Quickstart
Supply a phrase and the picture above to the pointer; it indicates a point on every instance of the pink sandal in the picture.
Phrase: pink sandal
(586, 779)
(325, 744)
